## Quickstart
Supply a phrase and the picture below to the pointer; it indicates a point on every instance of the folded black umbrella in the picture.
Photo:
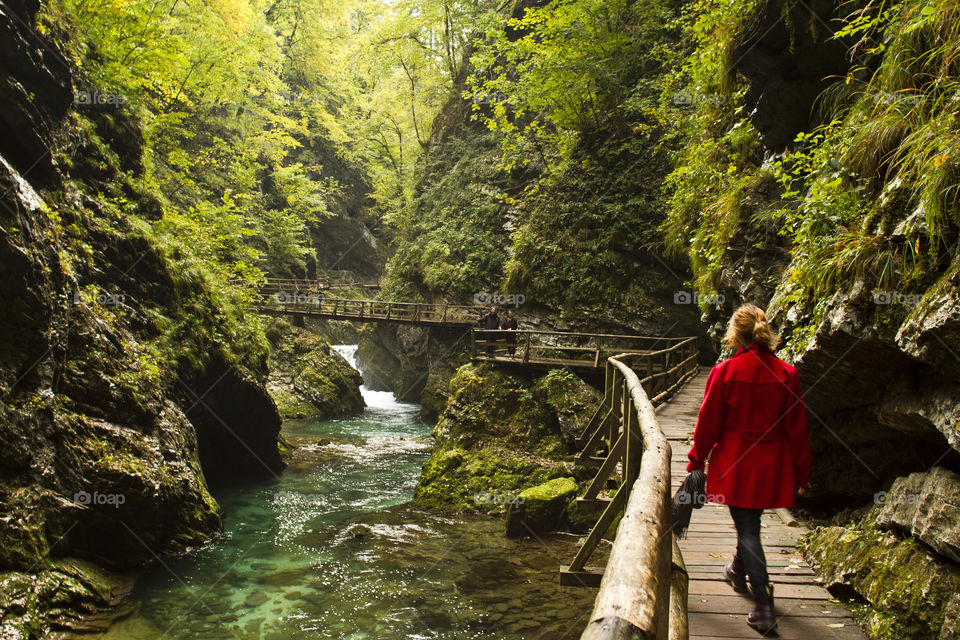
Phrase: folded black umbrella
(691, 495)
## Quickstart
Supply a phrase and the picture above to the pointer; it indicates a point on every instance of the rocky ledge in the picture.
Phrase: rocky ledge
(507, 443)
(898, 559)
(308, 377)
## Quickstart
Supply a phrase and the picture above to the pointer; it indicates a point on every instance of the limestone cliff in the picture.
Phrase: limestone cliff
(128, 382)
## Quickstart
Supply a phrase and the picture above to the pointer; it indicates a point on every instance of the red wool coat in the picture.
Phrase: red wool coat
(754, 422)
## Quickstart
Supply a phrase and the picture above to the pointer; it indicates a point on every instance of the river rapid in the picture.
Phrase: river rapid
(329, 550)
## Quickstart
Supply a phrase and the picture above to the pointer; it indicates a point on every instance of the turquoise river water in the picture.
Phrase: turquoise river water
(291, 564)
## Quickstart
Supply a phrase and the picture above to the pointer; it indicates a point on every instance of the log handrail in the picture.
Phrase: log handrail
(643, 590)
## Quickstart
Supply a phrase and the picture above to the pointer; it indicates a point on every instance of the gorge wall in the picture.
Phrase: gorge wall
(129, 382)
(846, 257)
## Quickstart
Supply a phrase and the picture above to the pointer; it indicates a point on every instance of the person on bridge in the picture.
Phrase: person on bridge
(510, 324)
(753, 426)
(490, 322)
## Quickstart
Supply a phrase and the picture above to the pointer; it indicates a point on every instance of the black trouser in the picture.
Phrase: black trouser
(749, 549)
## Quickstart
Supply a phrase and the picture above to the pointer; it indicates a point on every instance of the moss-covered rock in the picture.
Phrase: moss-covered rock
(905, 589)
(499, 436)
(68, 594)
(541, 508)
(308, 378)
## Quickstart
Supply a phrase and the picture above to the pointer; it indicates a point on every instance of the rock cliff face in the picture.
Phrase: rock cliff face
(879, 369)
(126, 382)
(876, 373)
(416, 363)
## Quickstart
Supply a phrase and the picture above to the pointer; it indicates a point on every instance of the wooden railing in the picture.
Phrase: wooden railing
(562, 349)
(643, 591)
(315, 304)
(274, 285)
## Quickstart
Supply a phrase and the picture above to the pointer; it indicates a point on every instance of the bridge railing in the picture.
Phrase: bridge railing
(643, 590)
(293, 285)
(563, 348)
(314, 302)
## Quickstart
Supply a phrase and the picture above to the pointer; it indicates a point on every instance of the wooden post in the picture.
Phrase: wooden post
(618, 408)
(634, 445)
(596, 361)
(473, 343)
(526, 348)
(679, 588)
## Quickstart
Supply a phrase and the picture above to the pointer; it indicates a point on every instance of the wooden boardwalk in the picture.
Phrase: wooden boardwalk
(575, 350)
(806, 609)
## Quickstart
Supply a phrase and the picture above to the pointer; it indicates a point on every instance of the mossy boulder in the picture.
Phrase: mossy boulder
(500, 435)
(308, 377)
(907, 589)
(68, 594)
(541, 508)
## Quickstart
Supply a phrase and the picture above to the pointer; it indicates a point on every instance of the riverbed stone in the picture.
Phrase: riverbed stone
(541, 508)
(255, 599)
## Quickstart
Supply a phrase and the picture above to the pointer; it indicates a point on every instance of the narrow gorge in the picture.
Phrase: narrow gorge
(251, 382)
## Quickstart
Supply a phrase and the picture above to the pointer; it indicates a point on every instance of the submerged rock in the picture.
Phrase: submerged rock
(360, 531)
(541, 508)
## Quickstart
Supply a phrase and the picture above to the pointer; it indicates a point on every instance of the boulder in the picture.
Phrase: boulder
(909, 591)
(541, 508)
(927, 506)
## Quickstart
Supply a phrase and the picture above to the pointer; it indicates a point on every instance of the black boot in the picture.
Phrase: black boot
(763, 618)
(735, 575)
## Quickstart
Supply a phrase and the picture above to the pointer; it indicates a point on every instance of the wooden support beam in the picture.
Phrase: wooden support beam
(586, 577)
(593, 538)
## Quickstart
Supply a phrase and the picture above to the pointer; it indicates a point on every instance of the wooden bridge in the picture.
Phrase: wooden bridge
(573, 350)
(655, 586)
(310, 298)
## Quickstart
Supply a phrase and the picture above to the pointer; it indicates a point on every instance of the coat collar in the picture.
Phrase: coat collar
(750, 347)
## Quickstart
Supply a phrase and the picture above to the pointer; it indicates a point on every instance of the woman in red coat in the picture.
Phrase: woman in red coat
(753, 427)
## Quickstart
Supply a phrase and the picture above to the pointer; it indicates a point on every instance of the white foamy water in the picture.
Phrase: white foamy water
(377, 401)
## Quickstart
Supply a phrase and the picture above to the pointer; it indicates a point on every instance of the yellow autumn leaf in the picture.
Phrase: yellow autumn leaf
(940, 159)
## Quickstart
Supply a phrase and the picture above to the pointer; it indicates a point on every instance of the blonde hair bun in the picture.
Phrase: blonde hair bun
(749, 325)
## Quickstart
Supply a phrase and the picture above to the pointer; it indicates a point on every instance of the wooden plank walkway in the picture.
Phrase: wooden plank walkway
(806, 609)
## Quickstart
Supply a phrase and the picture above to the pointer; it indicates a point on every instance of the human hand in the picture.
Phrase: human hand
(802, 490)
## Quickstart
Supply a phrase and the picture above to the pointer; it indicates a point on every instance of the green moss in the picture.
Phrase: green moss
(290, 405)
(904, 585)
(548, 491)
(500, 435)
